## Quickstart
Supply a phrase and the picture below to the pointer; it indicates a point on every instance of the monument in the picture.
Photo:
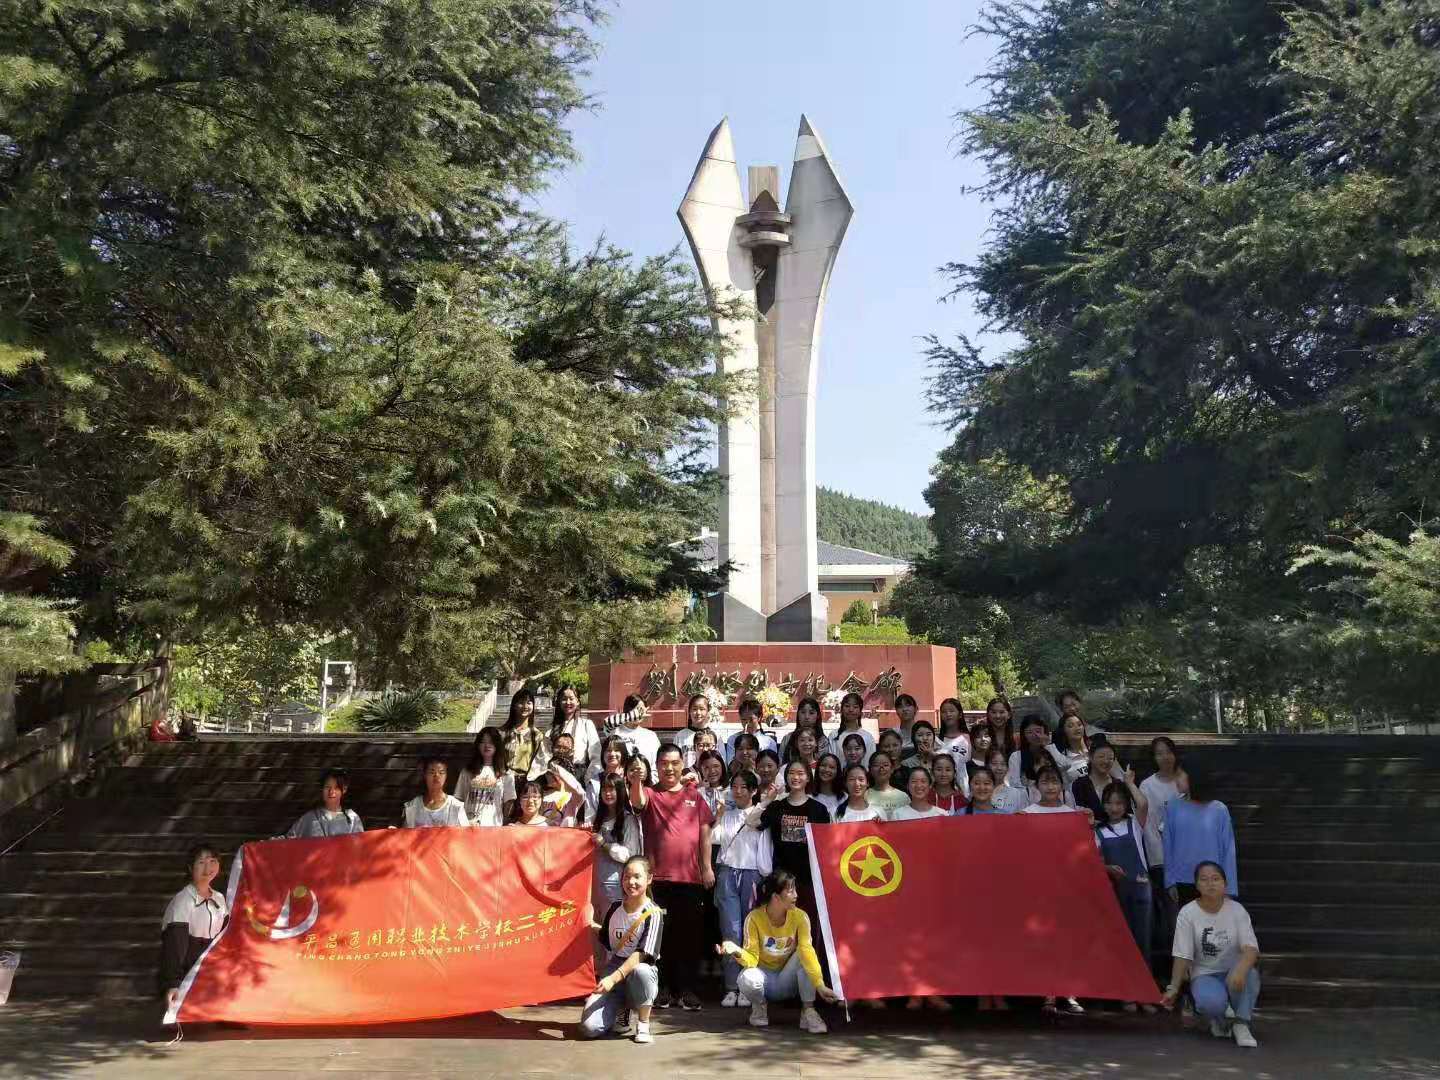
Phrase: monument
(769, 621)
(778, 263)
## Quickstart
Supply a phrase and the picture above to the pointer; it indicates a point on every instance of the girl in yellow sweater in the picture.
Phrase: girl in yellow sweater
(778, 957)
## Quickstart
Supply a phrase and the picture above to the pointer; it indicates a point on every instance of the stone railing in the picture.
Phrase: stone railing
(106, 708)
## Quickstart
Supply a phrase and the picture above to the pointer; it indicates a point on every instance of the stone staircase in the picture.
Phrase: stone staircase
(1338, 837)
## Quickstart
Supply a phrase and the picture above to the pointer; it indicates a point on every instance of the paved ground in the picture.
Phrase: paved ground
(528, 1044)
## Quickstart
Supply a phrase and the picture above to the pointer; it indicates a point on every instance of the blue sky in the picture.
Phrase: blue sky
(881, 83)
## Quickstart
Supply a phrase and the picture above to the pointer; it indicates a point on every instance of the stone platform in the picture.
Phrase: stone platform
(666, 675)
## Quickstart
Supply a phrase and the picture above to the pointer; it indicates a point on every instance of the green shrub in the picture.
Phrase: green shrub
(859, 613)
(885, 632)
(399, 710)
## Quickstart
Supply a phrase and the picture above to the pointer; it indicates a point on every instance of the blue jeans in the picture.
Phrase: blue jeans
(638, 989)
(1212, 995)
(757, 985)
(734, 896)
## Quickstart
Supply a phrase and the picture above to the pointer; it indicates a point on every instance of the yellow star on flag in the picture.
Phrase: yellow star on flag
(871, 866)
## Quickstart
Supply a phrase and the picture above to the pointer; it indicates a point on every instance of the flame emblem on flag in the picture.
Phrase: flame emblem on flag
(282, 930)
(871, 867)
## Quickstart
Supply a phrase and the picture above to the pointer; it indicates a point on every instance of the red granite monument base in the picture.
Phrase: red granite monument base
(666, 675)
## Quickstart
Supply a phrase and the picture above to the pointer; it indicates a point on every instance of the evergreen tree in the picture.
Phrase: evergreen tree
(1218, 247)
(278, 342)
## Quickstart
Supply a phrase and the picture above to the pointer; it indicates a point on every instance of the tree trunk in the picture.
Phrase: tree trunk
(8, 734)
(998, 682)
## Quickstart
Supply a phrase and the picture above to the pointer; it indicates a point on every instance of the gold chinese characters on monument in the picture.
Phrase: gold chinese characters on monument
(658, 685)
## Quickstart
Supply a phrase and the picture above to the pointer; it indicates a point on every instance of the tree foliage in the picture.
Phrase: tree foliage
(1220, 247)
(869, 525)
(278, 341)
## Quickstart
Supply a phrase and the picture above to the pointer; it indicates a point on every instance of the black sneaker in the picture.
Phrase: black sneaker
(689, 1002)
(662, 999)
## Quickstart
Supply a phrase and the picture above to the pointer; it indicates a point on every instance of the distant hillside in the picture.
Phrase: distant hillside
(870, 525)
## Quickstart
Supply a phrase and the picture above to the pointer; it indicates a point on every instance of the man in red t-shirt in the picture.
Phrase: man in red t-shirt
(676, 822)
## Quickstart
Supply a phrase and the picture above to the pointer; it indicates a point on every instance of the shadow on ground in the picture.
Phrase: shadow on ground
(94, 1039)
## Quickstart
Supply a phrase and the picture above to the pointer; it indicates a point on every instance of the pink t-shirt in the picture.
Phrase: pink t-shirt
(672, 821)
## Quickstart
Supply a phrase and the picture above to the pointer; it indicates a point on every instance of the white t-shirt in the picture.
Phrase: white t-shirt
(485, 795)
(203, 918)
(767, 742)
(1073, 764)
(639, 740)
(451, 813)
(851, 815)
(618, 923)
(1157, 793)
(741, 846)
(909, 813)
(587, 740)
(1009, 799)
(1036, 808)
(958, 747)
(1212, 943)
(830, 802)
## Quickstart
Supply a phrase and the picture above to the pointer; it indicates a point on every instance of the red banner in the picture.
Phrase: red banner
(398, 924)
(997, 904)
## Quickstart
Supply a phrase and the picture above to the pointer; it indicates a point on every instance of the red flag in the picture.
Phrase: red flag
(398, 924)
(994, 904)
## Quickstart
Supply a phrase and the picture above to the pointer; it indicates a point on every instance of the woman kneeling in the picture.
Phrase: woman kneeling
(779, 957)
(631, 931)
(1215, 948)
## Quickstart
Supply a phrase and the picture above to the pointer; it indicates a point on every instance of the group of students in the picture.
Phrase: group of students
(701, 851)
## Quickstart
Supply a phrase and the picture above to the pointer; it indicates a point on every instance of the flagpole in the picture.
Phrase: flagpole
(823, 910)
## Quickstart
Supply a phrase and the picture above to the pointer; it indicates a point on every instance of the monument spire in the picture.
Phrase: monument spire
(779, 263)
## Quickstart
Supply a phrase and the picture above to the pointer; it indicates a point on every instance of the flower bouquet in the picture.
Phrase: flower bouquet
(776, 703)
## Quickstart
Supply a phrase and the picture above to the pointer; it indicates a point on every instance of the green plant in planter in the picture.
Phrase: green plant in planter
(399, 710)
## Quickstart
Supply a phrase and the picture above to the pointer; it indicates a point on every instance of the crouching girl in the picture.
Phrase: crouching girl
(779, 956)
(631, 931)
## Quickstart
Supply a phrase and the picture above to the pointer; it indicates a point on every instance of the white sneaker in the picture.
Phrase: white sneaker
(1073, 1007)
(731, 1000)
(760, 1014)
(642, 1033)
(1243, 1036)
(811, 1021)
(1220, 1029)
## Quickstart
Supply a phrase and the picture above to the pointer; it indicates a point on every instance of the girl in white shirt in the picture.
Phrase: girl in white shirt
(919, 783)
(1070, 749)
(856, 806)
(697, 719)
(528, 805)
(714, 780)
(883, 795)
(192, 919)
(434, 809)
(744, 856)
(610, 760)
(1006, 799)
(1160, 788)
(617, 838)
(1049, 785)
(486, 785)
(329, 818)
(828, 786)
(807, 716)
(852, 709)
(854, 750)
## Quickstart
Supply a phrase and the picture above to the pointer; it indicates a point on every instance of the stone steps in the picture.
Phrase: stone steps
(1338, 842)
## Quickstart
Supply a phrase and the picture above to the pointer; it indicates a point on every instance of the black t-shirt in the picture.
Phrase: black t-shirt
(786, 824)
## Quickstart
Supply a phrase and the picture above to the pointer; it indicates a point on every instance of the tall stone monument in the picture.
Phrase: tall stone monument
(777, 262)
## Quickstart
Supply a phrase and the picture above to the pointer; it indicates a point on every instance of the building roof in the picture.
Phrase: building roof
(827, 554)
